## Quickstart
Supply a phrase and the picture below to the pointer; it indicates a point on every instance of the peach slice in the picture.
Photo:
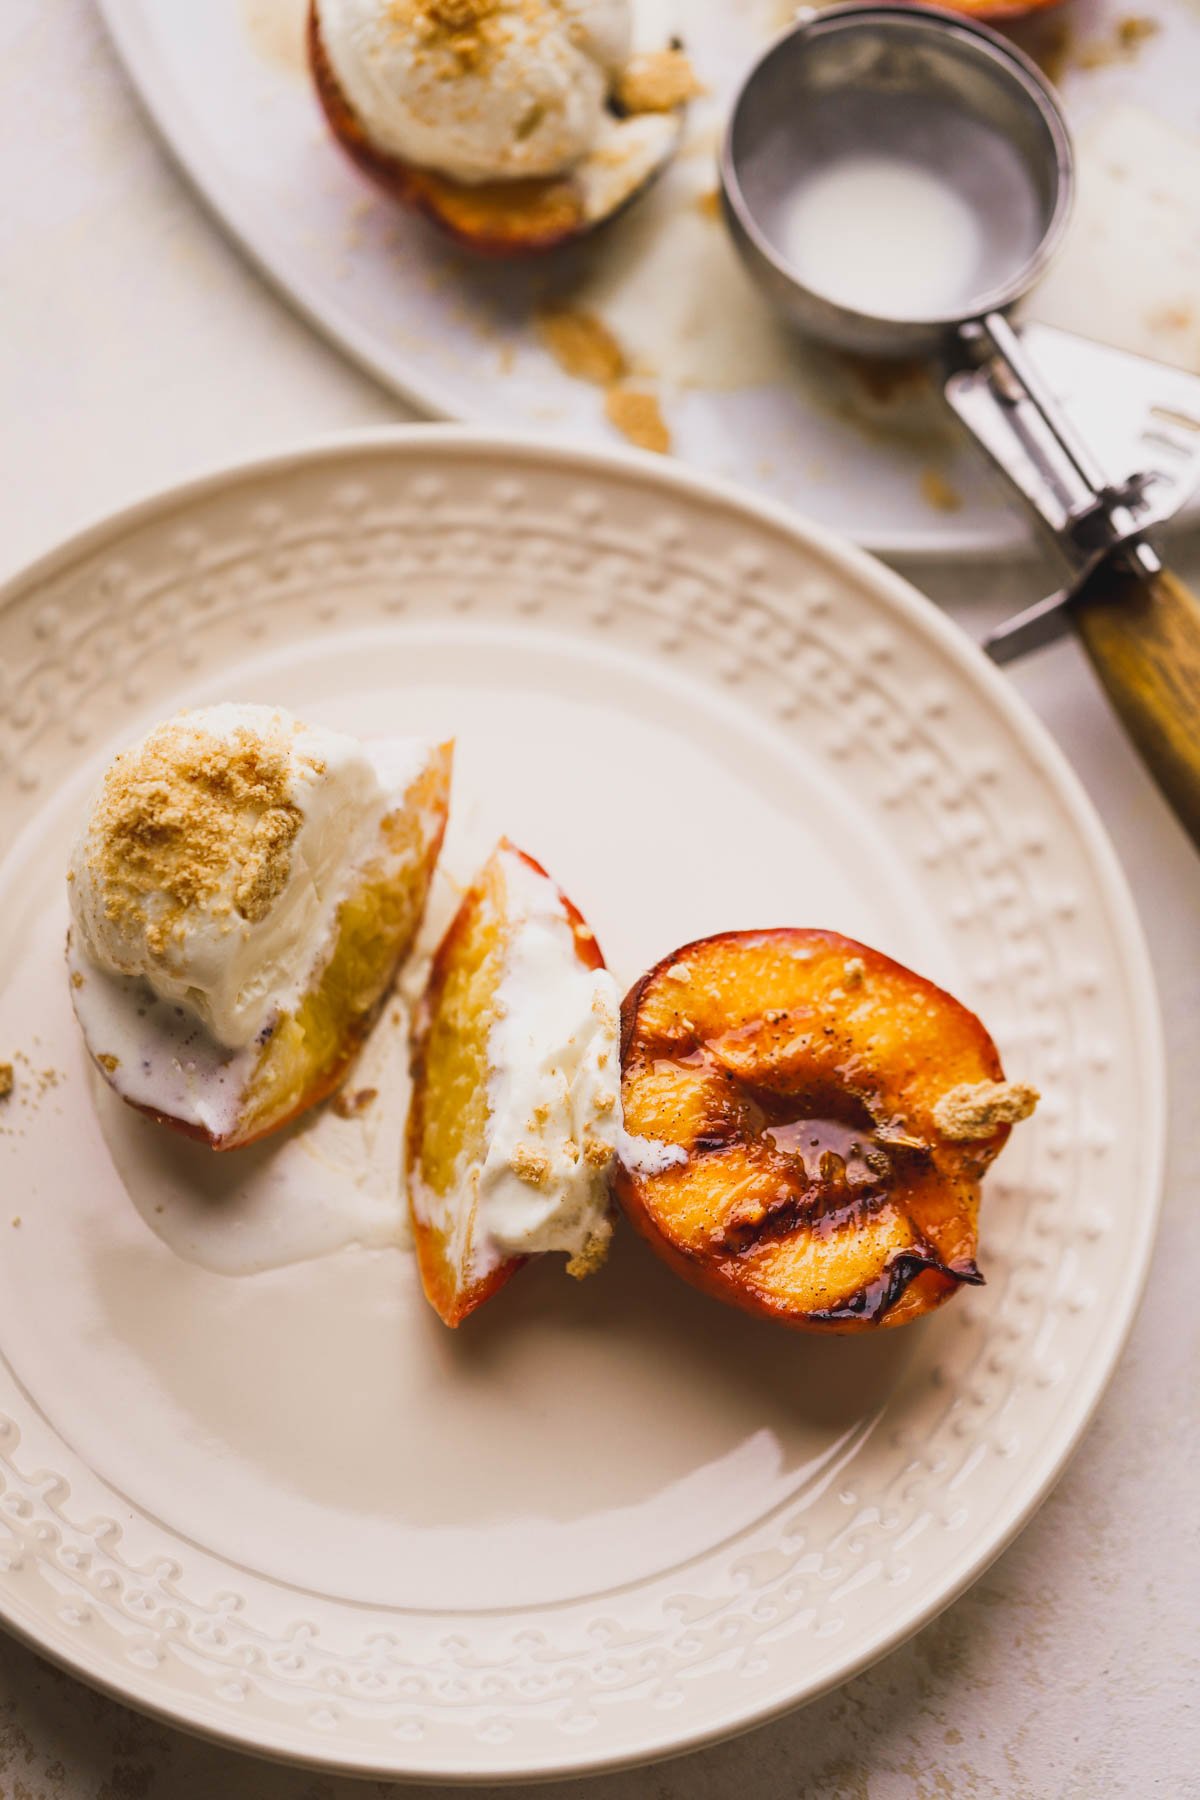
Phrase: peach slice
(449, 1117)
(837, 1113)
(230, 1099)
(517, 218)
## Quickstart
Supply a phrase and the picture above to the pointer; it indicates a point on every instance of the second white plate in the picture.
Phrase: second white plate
(875, 457)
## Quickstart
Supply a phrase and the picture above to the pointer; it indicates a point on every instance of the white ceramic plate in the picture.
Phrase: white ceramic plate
(878, 459)
(604, 1523)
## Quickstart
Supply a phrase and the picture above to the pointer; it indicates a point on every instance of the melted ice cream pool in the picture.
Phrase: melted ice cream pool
(325, 1184)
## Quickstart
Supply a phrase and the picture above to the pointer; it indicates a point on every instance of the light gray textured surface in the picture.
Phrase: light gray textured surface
(135, 347)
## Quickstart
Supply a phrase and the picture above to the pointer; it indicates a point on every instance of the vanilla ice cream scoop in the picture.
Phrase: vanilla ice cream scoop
(480, 90)
(216, 853)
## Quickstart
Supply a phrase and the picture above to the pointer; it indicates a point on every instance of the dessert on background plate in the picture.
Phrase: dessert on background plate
(241, 894)
(515, 125)
(516, 1107)
(835, 1114)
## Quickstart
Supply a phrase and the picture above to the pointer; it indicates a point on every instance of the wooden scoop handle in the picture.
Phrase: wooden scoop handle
(1143, 637)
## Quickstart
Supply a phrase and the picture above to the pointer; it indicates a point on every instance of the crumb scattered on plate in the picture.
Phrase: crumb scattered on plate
(6, 1080)
(348, 1105)
(1122, 45)
(939, 493)
(657, 81)
(638, 417)
(581, 344)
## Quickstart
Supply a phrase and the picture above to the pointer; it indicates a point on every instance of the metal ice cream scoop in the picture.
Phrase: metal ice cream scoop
(896, 178)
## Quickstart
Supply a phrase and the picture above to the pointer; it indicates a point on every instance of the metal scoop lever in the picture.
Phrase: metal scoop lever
(1009, 399)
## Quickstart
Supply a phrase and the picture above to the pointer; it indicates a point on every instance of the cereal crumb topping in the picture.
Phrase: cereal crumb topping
(597, 1153)
(656, 82)
(530, 1165)
(593, 1254)
(604, 1012)
(186, 818)
(975, 1109)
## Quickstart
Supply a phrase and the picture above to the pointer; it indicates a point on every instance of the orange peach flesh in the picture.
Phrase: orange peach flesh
(800, 1071)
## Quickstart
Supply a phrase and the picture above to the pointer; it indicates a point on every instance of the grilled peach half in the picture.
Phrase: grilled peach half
(837, 1113)
(519, 218)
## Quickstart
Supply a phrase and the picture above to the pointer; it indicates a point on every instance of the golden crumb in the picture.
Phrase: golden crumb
(605, 1100)
(937, 492)
(17, 1221)
(709, 203)
(349, 1105)
(76, 978)
(465, 29)
(581, 344)
(974, 1109)
(656, 82)
(538, 1116)
(186, 818)
(530, 1165)
(6, 1080)
(1135, 30)
(108, 1062)
(456, 15)
(592, 1257)
(1123, 46)
(596, 1153)
(638, 417)
(604, 1011)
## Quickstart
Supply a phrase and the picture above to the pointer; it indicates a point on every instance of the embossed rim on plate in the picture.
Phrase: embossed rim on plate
(424, 450)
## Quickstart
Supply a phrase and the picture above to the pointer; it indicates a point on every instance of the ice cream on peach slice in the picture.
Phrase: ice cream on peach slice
(515, 1109)
(837, 1113)
(511, 125)
(242, 894)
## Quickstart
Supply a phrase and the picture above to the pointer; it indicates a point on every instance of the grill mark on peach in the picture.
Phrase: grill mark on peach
(878, 1298)
(817, 1189)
